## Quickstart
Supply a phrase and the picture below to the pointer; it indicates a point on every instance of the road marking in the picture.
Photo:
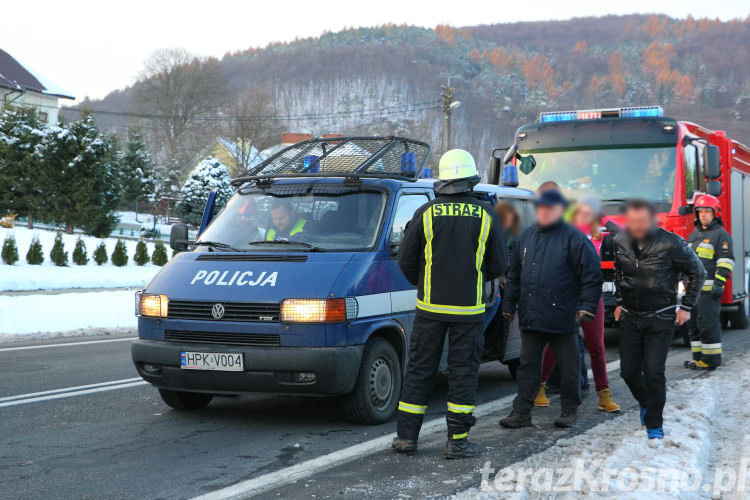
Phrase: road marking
(69, 392)
(273, 480)
(66, 344)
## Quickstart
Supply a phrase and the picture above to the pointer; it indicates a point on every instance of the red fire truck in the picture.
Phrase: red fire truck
(621, 153)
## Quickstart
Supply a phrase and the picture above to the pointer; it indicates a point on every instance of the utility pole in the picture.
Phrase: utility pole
(447, 96)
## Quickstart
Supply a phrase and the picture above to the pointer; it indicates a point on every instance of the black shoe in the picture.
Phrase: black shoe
(566, 419)
(516, 420)
(460, 448)
(404, 445)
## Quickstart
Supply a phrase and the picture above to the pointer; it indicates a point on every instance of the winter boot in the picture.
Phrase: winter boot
(606, 403)
(657, 433)
(541, 398)
(699, 365)
(516, 420)
(643, 416)
(402, 445)
(460, 448)
(566, 419)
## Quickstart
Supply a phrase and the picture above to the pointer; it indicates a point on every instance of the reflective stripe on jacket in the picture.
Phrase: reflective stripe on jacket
(297, 228)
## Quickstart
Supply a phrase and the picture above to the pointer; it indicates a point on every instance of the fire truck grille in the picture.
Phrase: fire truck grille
(248, 339)
(225, 311)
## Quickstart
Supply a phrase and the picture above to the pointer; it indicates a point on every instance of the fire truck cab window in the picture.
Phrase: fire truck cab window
(611, 174)
(692, 171)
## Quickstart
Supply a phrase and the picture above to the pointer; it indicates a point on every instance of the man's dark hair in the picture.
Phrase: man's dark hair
(282, 203)
(640, 204)
(547, 185)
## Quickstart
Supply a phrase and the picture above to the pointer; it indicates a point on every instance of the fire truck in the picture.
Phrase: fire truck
(620, 153)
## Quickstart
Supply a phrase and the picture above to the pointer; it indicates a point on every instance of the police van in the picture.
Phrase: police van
(293, 287)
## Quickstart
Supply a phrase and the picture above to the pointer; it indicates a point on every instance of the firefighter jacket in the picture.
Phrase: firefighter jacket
(452, 246)
(554, 272)
(713, 245)
(646, 276)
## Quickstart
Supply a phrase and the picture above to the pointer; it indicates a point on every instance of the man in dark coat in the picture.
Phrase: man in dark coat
(554, 282)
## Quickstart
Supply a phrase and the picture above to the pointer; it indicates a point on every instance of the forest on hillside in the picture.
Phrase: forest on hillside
(387, 80)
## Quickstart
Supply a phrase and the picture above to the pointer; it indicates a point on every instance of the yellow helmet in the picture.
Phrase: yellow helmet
(456, 164)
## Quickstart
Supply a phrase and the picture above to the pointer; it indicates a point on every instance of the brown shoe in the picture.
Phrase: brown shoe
(541, 398)
(404, 445)
(606, 403)
(566, 419)
(516, 420)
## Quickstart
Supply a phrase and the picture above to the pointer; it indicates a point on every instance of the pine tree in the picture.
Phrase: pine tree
(58, 255)
(100, 254)
(159, 257)
(10, 251)
(136, 169)
(80, 257)
(120, 254)
(210, 174)
(141, 253)
(35, 256)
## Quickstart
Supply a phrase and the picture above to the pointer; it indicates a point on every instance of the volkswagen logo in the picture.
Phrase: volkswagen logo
(217, 311)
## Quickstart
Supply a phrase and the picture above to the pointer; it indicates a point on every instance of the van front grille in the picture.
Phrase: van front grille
(233, 311)
(247, 339)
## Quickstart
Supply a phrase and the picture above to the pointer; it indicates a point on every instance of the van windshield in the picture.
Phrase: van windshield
(313, 216)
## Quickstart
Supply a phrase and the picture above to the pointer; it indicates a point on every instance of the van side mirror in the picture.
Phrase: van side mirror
(713, 188)
(711, 161)
(178, 237)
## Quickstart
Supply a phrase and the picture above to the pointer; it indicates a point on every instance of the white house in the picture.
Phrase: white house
(20, 86)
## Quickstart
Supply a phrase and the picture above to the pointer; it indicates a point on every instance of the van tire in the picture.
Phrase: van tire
(181, 400)
(378, 387)
(737, 318)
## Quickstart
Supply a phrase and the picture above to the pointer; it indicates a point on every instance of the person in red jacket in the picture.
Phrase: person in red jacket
(585, 216)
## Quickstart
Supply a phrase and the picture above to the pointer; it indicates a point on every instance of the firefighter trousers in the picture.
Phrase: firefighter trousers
(465, 344)
(705, 337)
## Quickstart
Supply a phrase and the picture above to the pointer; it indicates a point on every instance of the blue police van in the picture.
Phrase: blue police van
(293, 287)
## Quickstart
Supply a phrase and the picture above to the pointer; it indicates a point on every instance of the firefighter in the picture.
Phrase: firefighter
(713, 245)
(452, 246)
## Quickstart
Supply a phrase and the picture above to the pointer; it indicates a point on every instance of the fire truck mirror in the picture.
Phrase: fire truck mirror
(686, 210)
(713, 188)
(495, 170)
(713, 169)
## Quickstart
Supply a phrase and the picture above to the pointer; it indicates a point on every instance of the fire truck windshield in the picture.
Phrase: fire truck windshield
(611, 174)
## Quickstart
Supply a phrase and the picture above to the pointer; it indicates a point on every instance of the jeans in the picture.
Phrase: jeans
(644, 344)
(529, 375)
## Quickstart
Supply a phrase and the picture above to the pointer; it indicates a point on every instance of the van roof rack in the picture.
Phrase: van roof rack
(351, 157)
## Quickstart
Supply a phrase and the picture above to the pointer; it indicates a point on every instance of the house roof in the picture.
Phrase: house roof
(15, 76)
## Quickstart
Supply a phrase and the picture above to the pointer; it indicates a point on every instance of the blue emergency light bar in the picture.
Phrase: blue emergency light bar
(596, 114)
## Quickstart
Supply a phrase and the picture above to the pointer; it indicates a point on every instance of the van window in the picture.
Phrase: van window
(326, 218)
(407, 204)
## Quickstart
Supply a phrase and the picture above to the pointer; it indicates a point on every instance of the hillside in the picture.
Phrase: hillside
(503, 74)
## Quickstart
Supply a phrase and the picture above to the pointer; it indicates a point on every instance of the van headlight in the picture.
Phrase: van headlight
(151, 305)
(318, 310)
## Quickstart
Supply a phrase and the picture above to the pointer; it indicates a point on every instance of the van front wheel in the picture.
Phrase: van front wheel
(378, 386)
(181, 400)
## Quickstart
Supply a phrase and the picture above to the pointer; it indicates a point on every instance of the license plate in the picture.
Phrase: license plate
(608, 287)
(218, 361)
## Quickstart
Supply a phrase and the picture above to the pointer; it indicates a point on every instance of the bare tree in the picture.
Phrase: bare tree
(252, 124)
(178, 87)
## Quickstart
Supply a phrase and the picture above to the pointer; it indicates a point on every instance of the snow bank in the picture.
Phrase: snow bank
(39, 313)
(704, 454)
(23, 276)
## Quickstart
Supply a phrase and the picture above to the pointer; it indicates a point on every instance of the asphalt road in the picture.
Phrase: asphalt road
(96, 431)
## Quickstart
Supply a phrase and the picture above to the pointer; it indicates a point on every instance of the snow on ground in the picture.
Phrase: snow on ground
(23, 276)
(704, 454)
(41, 313)
(131, 219)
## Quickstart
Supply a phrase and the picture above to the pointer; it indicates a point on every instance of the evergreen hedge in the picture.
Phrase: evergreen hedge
(10, 251)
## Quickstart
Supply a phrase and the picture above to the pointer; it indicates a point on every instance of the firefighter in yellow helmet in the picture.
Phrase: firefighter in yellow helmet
(452, 246)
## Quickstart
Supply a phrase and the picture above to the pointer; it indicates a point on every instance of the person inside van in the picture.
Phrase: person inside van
(285, 222)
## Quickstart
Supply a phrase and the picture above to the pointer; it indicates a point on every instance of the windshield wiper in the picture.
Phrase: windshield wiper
(309, 247)
(215, 244)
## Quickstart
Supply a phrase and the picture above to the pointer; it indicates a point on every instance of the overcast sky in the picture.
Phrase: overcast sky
(90, 47)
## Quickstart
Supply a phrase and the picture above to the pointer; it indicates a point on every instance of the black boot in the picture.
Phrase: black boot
(404, 445)
(566, 419)
(516, 420)
(460, 448)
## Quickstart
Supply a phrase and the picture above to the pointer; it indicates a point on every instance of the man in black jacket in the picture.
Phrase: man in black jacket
(452, 246)
(554, 281)
(649, 262)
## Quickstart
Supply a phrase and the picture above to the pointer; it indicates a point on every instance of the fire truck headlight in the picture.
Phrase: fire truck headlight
(151, 305)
